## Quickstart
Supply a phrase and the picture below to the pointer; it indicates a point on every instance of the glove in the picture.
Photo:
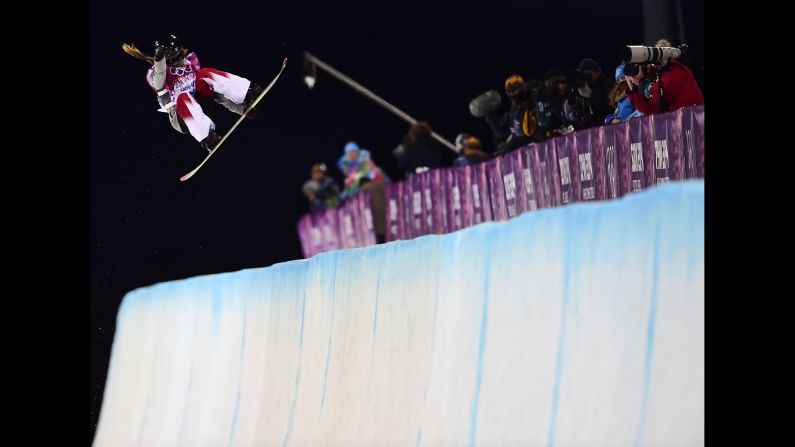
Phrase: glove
(160, 51)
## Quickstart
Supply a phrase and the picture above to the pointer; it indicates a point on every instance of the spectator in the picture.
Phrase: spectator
(549, 108)
(378, 208)
(358, 169)
(586, 102)
(419, 150)
(624, 109)
(472, 153)
(517, 126)
(577, 109)
(523, 120)
(600, 84)
(460, 140)
(321, 190)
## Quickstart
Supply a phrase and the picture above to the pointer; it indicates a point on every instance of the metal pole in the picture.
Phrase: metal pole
(356, 86)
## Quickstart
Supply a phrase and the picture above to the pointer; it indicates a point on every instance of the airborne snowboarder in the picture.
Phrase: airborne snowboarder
(188, 92)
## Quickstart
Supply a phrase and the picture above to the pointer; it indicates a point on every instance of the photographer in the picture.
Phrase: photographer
(586, 103)
(599, 83)
(523, 122)
(549, 108)
(517, 126)
(578, 111)
(663, 88)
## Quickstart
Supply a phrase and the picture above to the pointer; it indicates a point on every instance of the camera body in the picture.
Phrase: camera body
(631, 69)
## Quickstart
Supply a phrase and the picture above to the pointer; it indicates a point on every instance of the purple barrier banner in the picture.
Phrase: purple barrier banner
(692, 121)
(417, 208)
(601, 173)
(513, 183)
(466, 181)
(466, 178)
(567, 168)
(481, 204)
(348, 226)
(610, 168)
(427, 205)
(543, 158)
(328, 228)
(354, 210)
(641, 166)
(407, 208)
(588, 156)
(365, 219)
(530, 179)
(404, 221)
(698, 113)
(592, 164)
(625, 160)
(305, 228)
(345, 231)
(665, 132)
(432, 209)
(459, 204)
(499, 209)
(394, 221)
(465, 175)
(316, 235)
(441, 194)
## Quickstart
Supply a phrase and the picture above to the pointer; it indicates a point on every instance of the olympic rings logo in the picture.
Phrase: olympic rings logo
(180, 71)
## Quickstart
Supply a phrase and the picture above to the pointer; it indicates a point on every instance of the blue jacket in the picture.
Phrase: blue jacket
(624, 111)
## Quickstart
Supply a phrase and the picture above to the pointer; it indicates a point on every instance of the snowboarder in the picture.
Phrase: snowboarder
(187, 92)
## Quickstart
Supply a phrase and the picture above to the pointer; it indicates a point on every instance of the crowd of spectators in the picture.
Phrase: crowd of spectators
(536, 110)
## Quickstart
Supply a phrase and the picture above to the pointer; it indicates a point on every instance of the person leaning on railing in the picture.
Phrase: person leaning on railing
(321, 190)
(471, 153)
(358, 169)
(624, 108)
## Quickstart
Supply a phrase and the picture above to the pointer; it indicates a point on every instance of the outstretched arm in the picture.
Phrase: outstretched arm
(159, 75)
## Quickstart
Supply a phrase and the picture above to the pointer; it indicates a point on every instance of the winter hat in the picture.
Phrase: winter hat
(514, 84)
(554, 75)
(589, 64)
(619, 72)
(351, 146)
(473, 143)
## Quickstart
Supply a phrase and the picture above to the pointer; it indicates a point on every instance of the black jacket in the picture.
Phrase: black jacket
(423, 152)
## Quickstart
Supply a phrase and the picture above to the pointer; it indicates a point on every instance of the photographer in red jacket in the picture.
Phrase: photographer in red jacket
(660, 88)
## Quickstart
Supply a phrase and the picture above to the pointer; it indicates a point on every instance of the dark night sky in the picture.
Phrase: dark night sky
(240, 210)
